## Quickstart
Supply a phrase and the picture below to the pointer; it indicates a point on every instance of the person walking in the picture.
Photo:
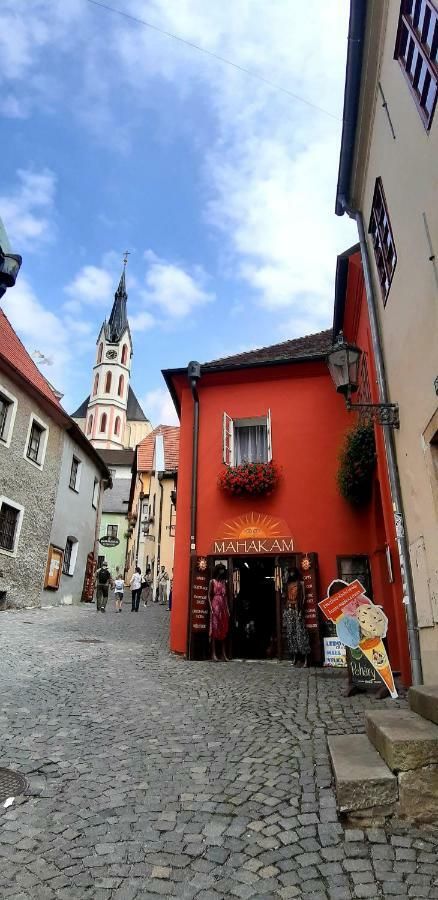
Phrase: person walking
(135, 585)
(147, 586)
(163, 578)
(119, 586)
(103, 581)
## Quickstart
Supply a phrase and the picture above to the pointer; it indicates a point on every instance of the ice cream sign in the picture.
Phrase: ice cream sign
(360, 625)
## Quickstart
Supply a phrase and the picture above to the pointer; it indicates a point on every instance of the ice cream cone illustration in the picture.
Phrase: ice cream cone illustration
(374, 650)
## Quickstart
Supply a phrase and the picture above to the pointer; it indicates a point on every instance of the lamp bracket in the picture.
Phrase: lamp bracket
(382, 413)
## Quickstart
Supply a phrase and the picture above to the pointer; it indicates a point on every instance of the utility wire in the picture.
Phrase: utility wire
(216, 56)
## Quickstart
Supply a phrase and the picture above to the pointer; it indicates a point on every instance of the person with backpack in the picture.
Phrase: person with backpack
(103, 581)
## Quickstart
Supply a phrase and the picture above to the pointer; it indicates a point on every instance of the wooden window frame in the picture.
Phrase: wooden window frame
(358, 556)
(70, 556)
(229, 426)
(112, 531)
(43, 428)
(75, 471)
(6, 501)
(7, 424)
(408, 30)
(380, 236)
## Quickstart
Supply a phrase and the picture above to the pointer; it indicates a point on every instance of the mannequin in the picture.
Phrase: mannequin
(293, 618)
(219, 612)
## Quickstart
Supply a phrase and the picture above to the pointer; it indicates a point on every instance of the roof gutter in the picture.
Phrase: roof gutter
(353, 77)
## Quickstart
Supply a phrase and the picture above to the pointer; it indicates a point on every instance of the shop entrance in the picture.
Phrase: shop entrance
(255, 623)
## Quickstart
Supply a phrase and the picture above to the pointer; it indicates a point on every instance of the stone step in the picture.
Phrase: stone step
(403, 739)
(363, 781)
(424, 701)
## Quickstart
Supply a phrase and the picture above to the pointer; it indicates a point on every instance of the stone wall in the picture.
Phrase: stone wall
(22, 576)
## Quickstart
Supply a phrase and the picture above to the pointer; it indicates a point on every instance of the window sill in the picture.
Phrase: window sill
(74, 489)
(69, 574)
(11, 553)
(36, 465)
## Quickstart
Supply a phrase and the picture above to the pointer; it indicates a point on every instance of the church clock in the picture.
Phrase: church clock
(111, 354)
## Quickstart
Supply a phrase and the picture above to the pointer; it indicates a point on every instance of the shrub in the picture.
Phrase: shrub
(357, 460)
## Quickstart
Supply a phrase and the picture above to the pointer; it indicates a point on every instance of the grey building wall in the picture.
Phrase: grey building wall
(75, 516)
(22, 576)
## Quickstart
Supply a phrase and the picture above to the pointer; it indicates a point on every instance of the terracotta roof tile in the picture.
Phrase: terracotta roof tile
(145, 450)
(310, 345)
(15, 355)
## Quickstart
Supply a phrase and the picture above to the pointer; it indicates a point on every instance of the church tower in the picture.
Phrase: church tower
(107, 407)
(111, 416)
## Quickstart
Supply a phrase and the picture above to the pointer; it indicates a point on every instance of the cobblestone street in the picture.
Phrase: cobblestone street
(152, 776)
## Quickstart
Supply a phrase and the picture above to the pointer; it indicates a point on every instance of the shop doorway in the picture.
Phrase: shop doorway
(254, 632)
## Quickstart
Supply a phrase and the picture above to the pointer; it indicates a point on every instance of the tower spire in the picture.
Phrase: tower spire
(118, 319)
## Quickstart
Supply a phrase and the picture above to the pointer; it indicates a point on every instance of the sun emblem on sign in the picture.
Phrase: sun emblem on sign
(305, 563)
(254, 525)
(202, 564)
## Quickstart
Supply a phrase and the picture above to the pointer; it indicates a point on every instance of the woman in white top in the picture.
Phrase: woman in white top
(135, 585)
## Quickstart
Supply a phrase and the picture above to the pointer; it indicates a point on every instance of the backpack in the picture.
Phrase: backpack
(104, 576)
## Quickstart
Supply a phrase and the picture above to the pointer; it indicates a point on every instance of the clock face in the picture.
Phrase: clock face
(111, 354)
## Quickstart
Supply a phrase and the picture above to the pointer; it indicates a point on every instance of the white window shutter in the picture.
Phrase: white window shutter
(269, 435)
(228, 440)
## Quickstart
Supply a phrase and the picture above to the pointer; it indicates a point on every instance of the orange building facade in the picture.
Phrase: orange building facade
(286, 392)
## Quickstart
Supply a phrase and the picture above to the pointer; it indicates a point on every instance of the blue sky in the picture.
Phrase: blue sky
(116, 137)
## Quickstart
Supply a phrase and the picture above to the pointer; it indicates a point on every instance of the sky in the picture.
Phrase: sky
(222, 186)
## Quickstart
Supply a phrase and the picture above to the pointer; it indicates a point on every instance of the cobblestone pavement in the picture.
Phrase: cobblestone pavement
(150, 775)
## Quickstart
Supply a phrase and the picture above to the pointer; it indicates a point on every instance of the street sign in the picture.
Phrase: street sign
(109, 541)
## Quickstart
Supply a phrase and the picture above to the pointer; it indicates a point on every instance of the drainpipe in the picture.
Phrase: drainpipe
(391, 458)
(194, 374)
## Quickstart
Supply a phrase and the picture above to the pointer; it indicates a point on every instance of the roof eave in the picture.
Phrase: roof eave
(353, 77)
(341, 276)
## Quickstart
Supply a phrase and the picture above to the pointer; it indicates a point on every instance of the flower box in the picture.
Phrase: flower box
(249, 478)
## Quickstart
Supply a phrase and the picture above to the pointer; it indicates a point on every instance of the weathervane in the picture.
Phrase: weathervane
(125, 257)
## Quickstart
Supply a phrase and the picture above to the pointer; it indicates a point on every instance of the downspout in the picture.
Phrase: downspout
(193, 374)
(160, 522)
(391, 458)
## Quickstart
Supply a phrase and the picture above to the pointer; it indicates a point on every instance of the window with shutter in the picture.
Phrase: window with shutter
(247, 440)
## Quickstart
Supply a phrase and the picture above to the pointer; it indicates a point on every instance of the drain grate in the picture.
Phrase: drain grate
(88, 641)
(11, 784)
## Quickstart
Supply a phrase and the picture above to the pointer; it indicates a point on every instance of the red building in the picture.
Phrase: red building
(281, 400)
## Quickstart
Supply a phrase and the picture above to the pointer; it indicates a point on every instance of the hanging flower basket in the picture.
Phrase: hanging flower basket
(357, 461)
(250, 478)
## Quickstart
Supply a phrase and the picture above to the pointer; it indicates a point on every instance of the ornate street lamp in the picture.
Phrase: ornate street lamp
(343, 364)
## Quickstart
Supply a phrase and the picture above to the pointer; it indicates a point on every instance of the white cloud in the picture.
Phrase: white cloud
(142, 321)
(159, 407)
(173, 290)
(39, 328)
(28, 209)
(91, 285)
(270, 162)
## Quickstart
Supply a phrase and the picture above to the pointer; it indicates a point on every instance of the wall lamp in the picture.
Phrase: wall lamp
(343, 364)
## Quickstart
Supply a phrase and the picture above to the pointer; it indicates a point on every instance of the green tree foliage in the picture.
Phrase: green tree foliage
(357, 460)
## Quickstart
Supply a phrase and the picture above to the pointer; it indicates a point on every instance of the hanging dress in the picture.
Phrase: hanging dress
(219, 618)
(297, 637)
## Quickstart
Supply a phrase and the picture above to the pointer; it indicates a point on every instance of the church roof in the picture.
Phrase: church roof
(118, 320)
(134, 412)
